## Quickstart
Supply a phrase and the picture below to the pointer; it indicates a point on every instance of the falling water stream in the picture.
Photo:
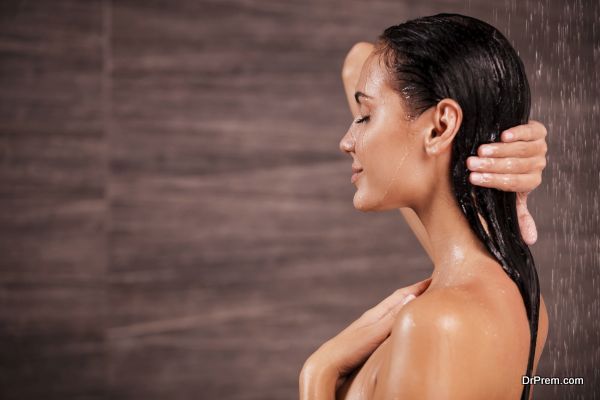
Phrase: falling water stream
(560, 45)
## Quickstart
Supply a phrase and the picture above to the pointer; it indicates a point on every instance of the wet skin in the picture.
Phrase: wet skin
(466, 334)
(472, 314)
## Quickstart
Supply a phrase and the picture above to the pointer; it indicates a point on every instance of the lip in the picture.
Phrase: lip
(354, 177)
(356, 168)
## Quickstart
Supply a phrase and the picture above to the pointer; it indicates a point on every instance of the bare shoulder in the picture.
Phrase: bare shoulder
(458, 343)
(464, 313)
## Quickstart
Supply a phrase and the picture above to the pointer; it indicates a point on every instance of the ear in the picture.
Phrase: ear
(447, 118)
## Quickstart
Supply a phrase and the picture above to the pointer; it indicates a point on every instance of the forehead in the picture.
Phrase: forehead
(374, 78)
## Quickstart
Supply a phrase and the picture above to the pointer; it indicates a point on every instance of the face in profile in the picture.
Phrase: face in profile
(385, 144)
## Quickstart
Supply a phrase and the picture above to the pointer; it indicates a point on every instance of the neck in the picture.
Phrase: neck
(457, 252)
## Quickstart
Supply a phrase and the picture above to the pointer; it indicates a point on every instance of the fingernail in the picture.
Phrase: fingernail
(476, 177)
(408, 298)
(486, 151)
(509, 135)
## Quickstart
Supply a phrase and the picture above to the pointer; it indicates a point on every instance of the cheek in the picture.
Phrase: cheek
(386, 157)
(389, 157)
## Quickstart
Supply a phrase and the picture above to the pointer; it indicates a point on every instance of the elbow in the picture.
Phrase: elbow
(355, 59)
(349, 73)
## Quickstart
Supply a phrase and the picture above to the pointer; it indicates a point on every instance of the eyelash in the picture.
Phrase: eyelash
(361, 120)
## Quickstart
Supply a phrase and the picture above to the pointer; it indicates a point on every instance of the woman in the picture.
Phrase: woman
(428, 95)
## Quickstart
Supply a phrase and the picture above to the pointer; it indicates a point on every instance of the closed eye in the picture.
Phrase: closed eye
(360, 120)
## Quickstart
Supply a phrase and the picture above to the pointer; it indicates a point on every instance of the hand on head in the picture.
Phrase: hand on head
(514, 165)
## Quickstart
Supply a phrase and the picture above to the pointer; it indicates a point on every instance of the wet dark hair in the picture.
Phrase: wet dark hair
(465, 59)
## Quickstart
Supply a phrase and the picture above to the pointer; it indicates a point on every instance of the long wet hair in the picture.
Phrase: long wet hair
(465, 59)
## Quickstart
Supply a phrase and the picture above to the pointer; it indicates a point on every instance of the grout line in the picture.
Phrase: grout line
(171, 325)
(107, 122)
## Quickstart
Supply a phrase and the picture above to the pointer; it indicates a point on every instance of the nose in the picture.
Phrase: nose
(347, 142)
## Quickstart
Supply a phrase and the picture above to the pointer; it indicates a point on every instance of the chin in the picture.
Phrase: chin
(370, 202)
(363, 202)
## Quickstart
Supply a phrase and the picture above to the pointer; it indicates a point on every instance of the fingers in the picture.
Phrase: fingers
(528, 228)
(419, 287)
(506, 182)
(513, 149)
(508, 165)
(516, 163)
(527, 132)
(526, 222)
(398, 296)
(415, 289)
(388, 308)
(352, 346)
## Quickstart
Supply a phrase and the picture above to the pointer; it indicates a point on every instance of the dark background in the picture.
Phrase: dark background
(176, 219)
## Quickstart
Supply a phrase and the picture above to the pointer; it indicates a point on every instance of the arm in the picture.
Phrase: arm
(353, 64)
(326, 369)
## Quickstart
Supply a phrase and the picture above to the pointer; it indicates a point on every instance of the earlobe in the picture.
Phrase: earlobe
(431, 147)
(447, 118)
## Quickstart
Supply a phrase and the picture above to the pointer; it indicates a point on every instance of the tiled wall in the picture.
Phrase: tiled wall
(176, 218)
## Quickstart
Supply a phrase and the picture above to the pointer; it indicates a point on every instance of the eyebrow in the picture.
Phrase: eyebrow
(358, 95)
